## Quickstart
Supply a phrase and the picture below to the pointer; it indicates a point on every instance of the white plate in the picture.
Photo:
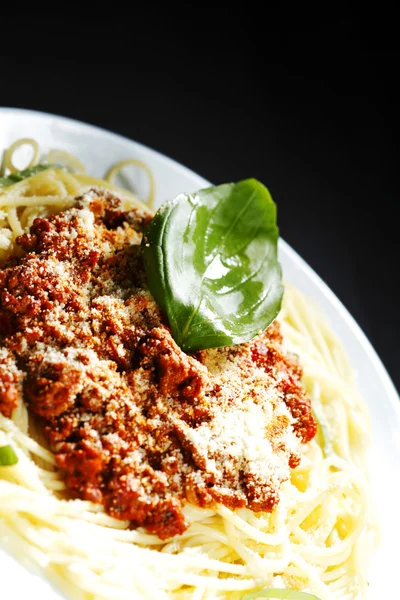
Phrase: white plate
(98, 149)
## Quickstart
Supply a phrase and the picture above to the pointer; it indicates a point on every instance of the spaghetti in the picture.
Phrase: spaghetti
(317, 539)
(51, 190)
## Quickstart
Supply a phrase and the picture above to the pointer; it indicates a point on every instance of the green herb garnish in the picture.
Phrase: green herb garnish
(7, 456)
(279, 594)
(20, 175)
(211, 264)
(323, 428)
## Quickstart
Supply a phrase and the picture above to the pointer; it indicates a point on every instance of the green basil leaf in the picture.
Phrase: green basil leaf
(211, 264)
(20, 175)
(7, 456)
(280, 594)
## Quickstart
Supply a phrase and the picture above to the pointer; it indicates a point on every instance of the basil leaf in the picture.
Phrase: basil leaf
(20, 175)
(7, 456)
(279, 594)
(211, 264)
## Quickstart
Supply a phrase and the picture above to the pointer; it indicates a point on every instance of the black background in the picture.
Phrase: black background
(318, 130)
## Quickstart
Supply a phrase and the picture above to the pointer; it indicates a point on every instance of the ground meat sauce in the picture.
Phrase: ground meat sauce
(135, 423)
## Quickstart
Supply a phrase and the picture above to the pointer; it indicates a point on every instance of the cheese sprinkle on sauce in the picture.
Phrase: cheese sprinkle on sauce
(136, 423)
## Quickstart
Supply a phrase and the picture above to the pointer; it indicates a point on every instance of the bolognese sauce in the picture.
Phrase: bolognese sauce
(134, 422)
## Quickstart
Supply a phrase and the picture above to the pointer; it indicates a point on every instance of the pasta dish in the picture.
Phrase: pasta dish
(144, 454)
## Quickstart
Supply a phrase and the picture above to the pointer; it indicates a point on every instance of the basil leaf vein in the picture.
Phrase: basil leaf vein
(211, 264)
